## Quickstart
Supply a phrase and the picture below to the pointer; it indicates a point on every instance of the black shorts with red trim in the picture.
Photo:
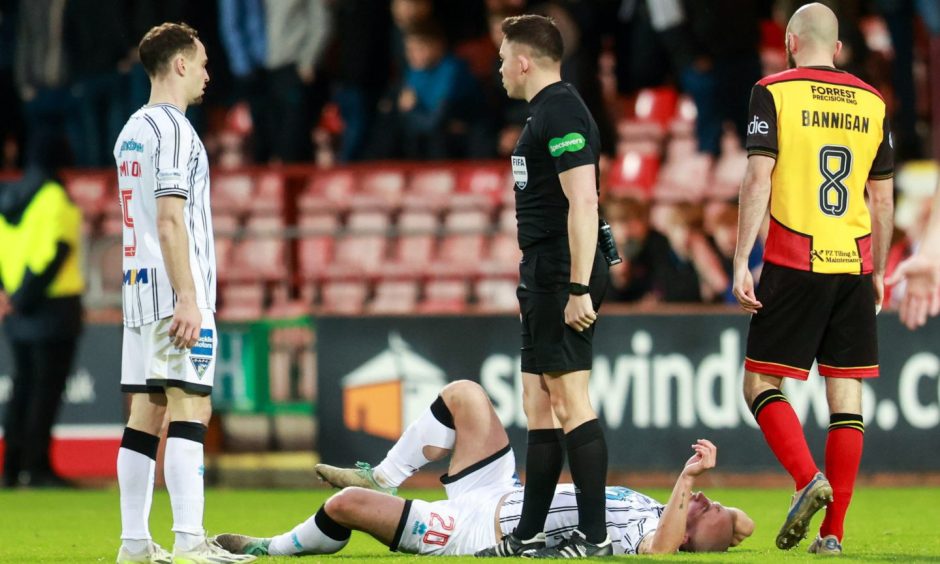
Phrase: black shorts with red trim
(810, 316)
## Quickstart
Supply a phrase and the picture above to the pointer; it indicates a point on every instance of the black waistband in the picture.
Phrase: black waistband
(446, 479)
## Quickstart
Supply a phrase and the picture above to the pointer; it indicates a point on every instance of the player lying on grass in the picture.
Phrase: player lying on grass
(484, 497)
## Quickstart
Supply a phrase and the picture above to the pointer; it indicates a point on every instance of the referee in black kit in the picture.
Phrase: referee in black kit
(563, 277)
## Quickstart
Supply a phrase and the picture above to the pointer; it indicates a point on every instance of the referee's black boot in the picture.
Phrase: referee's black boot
(575, 546)
(512, 546)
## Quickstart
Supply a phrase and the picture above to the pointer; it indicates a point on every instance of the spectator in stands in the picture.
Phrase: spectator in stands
(691, 271)
(639, 44)
(98, 58)
(40, 304)
(714, 47)
(241, 23)
(508, 115)
(899, 15)
(406, 14)
(439, 102)
(362, 68)
(722, 232)
(41, 71)
(578, 23)
(11, 127)
(640, 245)
(274, 48)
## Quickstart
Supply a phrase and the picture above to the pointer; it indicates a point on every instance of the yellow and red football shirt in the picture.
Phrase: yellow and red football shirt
(829, 133)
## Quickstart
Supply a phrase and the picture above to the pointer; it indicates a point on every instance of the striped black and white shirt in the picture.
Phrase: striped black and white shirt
(631, 516)
(159, 154)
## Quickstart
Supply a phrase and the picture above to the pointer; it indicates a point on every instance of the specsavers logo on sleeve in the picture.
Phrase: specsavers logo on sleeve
(572, 142)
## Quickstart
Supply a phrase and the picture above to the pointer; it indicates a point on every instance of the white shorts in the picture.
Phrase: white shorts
(465, 522)
(150, 363)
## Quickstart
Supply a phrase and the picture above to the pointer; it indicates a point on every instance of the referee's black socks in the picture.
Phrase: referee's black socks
(587, 460)
(543, 461)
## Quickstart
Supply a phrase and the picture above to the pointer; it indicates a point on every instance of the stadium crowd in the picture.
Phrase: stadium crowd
(336, 83)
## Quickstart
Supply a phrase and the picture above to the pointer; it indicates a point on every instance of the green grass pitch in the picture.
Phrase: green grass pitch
(884, 525)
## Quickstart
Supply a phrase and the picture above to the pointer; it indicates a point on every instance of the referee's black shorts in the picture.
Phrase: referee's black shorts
(807, 316)
(548, 344)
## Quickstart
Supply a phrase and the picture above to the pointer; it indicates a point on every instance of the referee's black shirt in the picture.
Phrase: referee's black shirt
(559, 135)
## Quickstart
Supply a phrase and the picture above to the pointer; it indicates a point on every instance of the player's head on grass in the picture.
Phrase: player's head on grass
(812, 36)
(175, 58)
(710, 526)
(531, 50)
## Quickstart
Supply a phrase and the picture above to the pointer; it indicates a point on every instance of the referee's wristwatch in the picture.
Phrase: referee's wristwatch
(576, 289)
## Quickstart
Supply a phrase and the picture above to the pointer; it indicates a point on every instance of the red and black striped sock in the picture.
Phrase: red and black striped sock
(784, 435)
(843, 455)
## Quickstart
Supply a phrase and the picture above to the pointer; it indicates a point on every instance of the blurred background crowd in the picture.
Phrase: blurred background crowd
(333, 125)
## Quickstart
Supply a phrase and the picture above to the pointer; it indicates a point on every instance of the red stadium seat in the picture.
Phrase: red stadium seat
(241, 302)
(649, 114)
(444, 296)
(729, 171)
(429, 189)
(467, 221)
(684, 180)
(656, 105)
(379, 188)
(265, 225)
(93, 193)
(223, 255)
(497, 295)
(262, 255)
(394, 296)
(225, 224)
(367, 221)
(412, 256)
(259, 259)
(269, 194)
(344, 297)
(417, 221)
(683, 124)
(111, 226)
(503, 256)
(314, 254)
(318, 223)
(507, 220)
(633, 174)
(357, 256)
(232, 193)
(328, 191)
(460, 255)
(483, 187)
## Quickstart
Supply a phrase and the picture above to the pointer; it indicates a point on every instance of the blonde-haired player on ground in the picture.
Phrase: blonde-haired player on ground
(170, 340)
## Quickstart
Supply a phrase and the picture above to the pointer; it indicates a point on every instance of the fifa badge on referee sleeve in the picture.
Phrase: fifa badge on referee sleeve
(519, 172)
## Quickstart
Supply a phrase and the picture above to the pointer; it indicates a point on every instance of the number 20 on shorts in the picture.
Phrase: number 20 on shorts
(437, 537)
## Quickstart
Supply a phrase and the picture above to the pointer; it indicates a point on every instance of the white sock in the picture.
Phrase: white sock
(183, 468)
(136, 463)
(435, 427)
(317, 535)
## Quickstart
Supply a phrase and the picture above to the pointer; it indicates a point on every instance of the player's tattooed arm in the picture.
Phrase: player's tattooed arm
(670, 534)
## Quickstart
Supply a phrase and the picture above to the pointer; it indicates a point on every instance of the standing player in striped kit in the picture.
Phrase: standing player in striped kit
(169, 299)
